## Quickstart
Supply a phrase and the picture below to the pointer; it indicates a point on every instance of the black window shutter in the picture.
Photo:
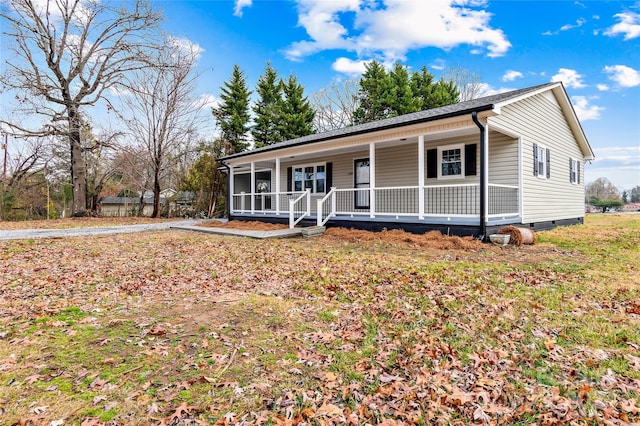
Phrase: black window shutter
(548, 163)
(470, 159)
(289, 179)
(329, 177)
(578, 172)
(432, 163)
(535, 159)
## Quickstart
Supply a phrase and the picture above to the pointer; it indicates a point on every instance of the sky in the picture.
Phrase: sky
(593, 47)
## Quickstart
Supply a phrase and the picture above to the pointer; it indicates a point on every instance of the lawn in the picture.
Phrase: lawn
(189, 328)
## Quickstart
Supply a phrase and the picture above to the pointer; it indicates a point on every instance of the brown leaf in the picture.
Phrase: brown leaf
(629, 406)
(480, 415)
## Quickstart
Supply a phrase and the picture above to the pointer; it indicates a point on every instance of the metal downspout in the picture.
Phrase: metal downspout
(483, 178)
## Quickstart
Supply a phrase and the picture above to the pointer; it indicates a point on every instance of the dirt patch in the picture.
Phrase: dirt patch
(430, 240)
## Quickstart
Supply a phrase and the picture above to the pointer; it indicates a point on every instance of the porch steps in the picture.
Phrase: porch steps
(313, 231)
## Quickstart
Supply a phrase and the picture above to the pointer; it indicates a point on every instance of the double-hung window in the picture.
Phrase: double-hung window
(574, 171)
(310, 177)
(541, 161)
(451, 159)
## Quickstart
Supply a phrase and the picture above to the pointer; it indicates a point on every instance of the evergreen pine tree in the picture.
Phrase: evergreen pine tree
(374, 95)
(233, 112)
(296, 113)
(403, 100)
(422, 86)
(443, 93)
(265, 131)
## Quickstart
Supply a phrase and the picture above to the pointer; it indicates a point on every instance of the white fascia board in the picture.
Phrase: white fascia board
(569, 113)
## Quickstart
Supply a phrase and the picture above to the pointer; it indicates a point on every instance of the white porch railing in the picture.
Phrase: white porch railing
(299, 208)
(331, 197)
(446, 201)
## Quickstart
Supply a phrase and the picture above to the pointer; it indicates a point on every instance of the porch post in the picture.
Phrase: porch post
(277, 191)
(372, 180)
(230, 196)
(486, 168)
(253, 187)
(421, 177)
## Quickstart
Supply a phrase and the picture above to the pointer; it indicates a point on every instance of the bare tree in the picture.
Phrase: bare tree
(28, 158)
(69, 52)
(602, 189)
(335, 104)
(468, 83)
(160, 110)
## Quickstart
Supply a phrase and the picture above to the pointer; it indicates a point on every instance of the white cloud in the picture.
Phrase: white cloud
(438, 64)
(602, 87)
(348, 66)
(569, 78)
(629, 25)
(627, 155)
(623, 75)
(241, 4)
(619, 164)
(185, 45)
(389, 30)
(511, 75)
(580, 22)
(207, 100)
(584, 111)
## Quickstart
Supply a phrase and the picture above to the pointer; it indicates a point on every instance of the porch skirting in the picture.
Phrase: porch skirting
(461, 227)
(456, 226)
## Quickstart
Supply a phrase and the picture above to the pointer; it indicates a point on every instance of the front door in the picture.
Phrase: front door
(361, 180)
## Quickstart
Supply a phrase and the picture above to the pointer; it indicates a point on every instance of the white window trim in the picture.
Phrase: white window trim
(542, 173)
(445, 148)
(576, 170)
(315, 176)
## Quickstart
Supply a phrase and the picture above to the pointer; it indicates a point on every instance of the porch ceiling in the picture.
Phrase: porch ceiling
(319, 152)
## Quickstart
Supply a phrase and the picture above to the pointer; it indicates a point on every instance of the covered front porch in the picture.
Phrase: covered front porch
(438, 204)
(439, 177)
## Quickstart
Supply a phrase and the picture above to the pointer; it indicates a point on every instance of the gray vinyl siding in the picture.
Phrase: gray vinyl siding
(539, 120)
(503, 159)
(397, 166)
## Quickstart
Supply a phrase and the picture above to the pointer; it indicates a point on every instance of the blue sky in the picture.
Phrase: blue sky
(592, 46)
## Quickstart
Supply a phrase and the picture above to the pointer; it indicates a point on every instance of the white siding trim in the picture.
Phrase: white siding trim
(421, 177)
(230, 196)
(277, 186)
(253, 186)
(372, 180)
(520, 180)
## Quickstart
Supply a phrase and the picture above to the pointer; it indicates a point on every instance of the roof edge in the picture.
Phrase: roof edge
(323, 137)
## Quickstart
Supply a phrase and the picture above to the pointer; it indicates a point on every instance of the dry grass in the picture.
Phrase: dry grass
(177, 327)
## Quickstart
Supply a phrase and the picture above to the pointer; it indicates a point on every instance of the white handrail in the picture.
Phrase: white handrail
(332, 212)
(292, 203)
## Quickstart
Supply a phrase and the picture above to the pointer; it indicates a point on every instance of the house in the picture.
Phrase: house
(465, 169)
(631, 207)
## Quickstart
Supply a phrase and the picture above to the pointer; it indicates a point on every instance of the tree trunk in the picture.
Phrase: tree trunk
(156, 194)
(78, 174)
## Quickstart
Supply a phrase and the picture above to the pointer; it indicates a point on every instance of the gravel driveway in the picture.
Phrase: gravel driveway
(23, 234)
